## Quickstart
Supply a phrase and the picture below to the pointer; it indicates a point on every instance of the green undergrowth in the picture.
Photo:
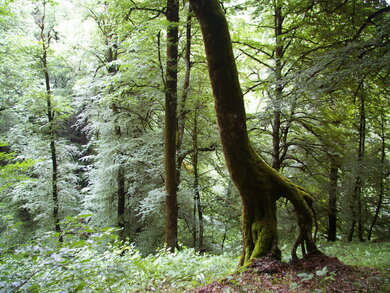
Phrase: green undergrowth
(93, 261)
(364, 254)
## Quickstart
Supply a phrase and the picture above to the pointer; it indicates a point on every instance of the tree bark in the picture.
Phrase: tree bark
(258, 184)
(171, 208)
(332, 202)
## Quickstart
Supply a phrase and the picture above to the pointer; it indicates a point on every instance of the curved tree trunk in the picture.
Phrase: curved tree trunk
(258, 184)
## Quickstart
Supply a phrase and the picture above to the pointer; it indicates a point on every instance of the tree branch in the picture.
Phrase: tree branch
(369, 20)
(136, 8)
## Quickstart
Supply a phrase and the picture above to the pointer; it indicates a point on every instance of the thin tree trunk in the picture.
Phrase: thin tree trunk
(352, 228)
(112, 69)
(171, 208)
(381, 179)
(182, 109)
(332, 203)
(121, 201)
(228, 195)
(45, 39)
(196, 187)
(259, 185)
(362, 140)
(56, 216)
(194, 224)
(224, 237)
(121, 186)
(278, 18)
(357, 196)
(201, 222)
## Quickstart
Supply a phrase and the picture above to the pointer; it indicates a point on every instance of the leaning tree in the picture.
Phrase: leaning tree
(259, 185)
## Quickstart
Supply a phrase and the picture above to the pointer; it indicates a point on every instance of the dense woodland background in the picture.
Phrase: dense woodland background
(83, 102)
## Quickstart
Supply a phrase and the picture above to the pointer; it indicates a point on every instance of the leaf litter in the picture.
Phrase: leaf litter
(313, 273)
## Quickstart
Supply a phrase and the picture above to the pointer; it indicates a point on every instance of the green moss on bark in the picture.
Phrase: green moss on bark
(258, 184)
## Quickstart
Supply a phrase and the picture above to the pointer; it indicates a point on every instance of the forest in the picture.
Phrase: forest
(194, 146)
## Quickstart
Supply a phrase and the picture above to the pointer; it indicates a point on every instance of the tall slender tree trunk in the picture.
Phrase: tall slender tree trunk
(56, 204)
(259, 185)
(171, 208)
(352, 227)
(194, 223)
(382, 177)
(182, 111)
(200, 219)
(278, 95)
(111, 57)
(120, 178)
(45, 38)
(332, 202)
(196, 187)
(182, 105)
(356, 205)
(121, 193)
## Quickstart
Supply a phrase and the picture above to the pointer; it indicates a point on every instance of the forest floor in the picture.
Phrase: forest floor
(317, 273)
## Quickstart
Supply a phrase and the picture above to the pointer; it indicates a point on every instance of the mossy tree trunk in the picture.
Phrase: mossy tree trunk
(259, 185)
